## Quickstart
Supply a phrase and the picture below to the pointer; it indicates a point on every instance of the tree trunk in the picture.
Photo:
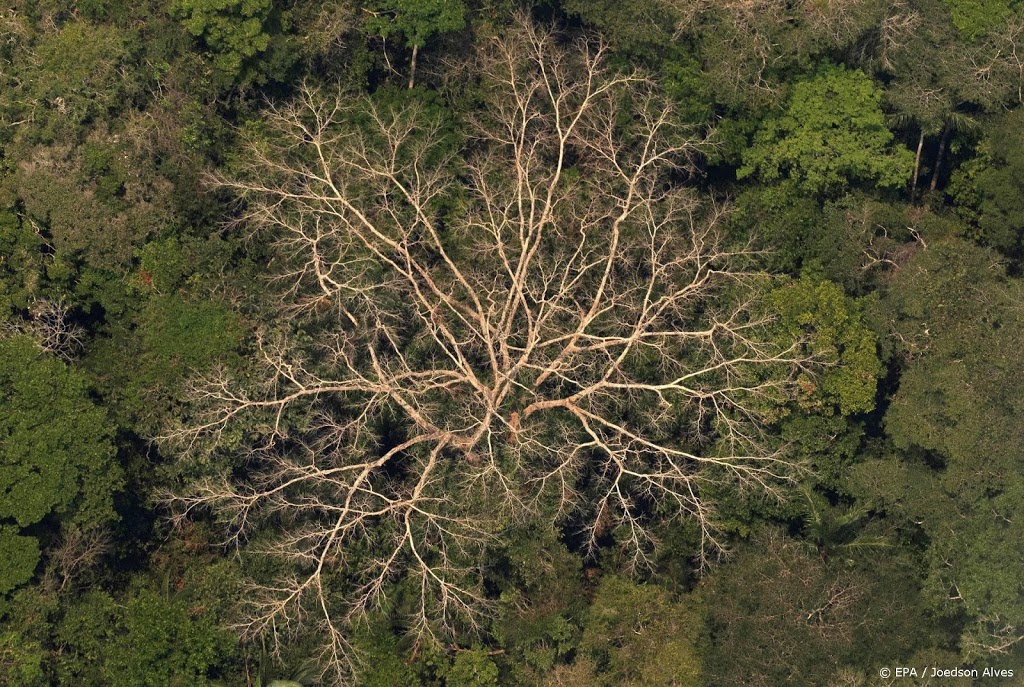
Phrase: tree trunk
(412, 67)
(938, 158)
(917, 166)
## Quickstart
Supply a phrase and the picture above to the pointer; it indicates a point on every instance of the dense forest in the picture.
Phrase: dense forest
(450, 343)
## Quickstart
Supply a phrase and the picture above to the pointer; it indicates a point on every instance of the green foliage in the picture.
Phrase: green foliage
(837, 337)
(472, 668)
(86, 632)
(162, 644)
(779, 614)
(784, 220)
(149, 641)
(112, 113)
(232, 30)
(92, 203)
(141, 370)
(78, 77)
(754, 53)
(846, 240)
(541, 602)
(21, 264)
(954, 423)
(989, 190)
(56, 457)
(935, 68)
(25, 628)
(416, 20)
(645, 32)
(960, 326)
(385, 664)
(833, 530)
(688, 87)
(164, 264)
(635, 28)
(976, 17)
(21, 660)
(185, 335)
(19, 556)
(55, 450)
(638, 635)
(832, 134)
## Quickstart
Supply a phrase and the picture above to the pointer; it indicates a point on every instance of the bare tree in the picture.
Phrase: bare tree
(50, 325)
(76, 551)
(540, 321)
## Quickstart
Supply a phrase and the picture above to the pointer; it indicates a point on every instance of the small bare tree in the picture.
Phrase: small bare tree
(76, 551)
(538, 321)
(50, 325)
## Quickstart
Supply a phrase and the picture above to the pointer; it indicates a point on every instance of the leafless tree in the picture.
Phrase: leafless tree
(898, 25)
(538, 321)
(997, 64)
(76, 551)
(49, 324)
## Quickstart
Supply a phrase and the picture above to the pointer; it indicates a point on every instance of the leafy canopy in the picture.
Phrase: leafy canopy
(18, 558)
(148, 639)
(989, 189)
(836, 335)
(779, 614)
(832, 134)
(417, 20)
(233, 30)
(55, 449)
(56, 455)
(974, 18)
(955, 425)
(639, 635)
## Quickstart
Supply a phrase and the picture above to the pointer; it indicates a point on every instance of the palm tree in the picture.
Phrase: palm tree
(831, 530)
(305, 674)
(946, 123)
(951, 121)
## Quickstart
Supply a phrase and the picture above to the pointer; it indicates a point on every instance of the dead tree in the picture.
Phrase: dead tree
(535, 321)
(50, 324)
